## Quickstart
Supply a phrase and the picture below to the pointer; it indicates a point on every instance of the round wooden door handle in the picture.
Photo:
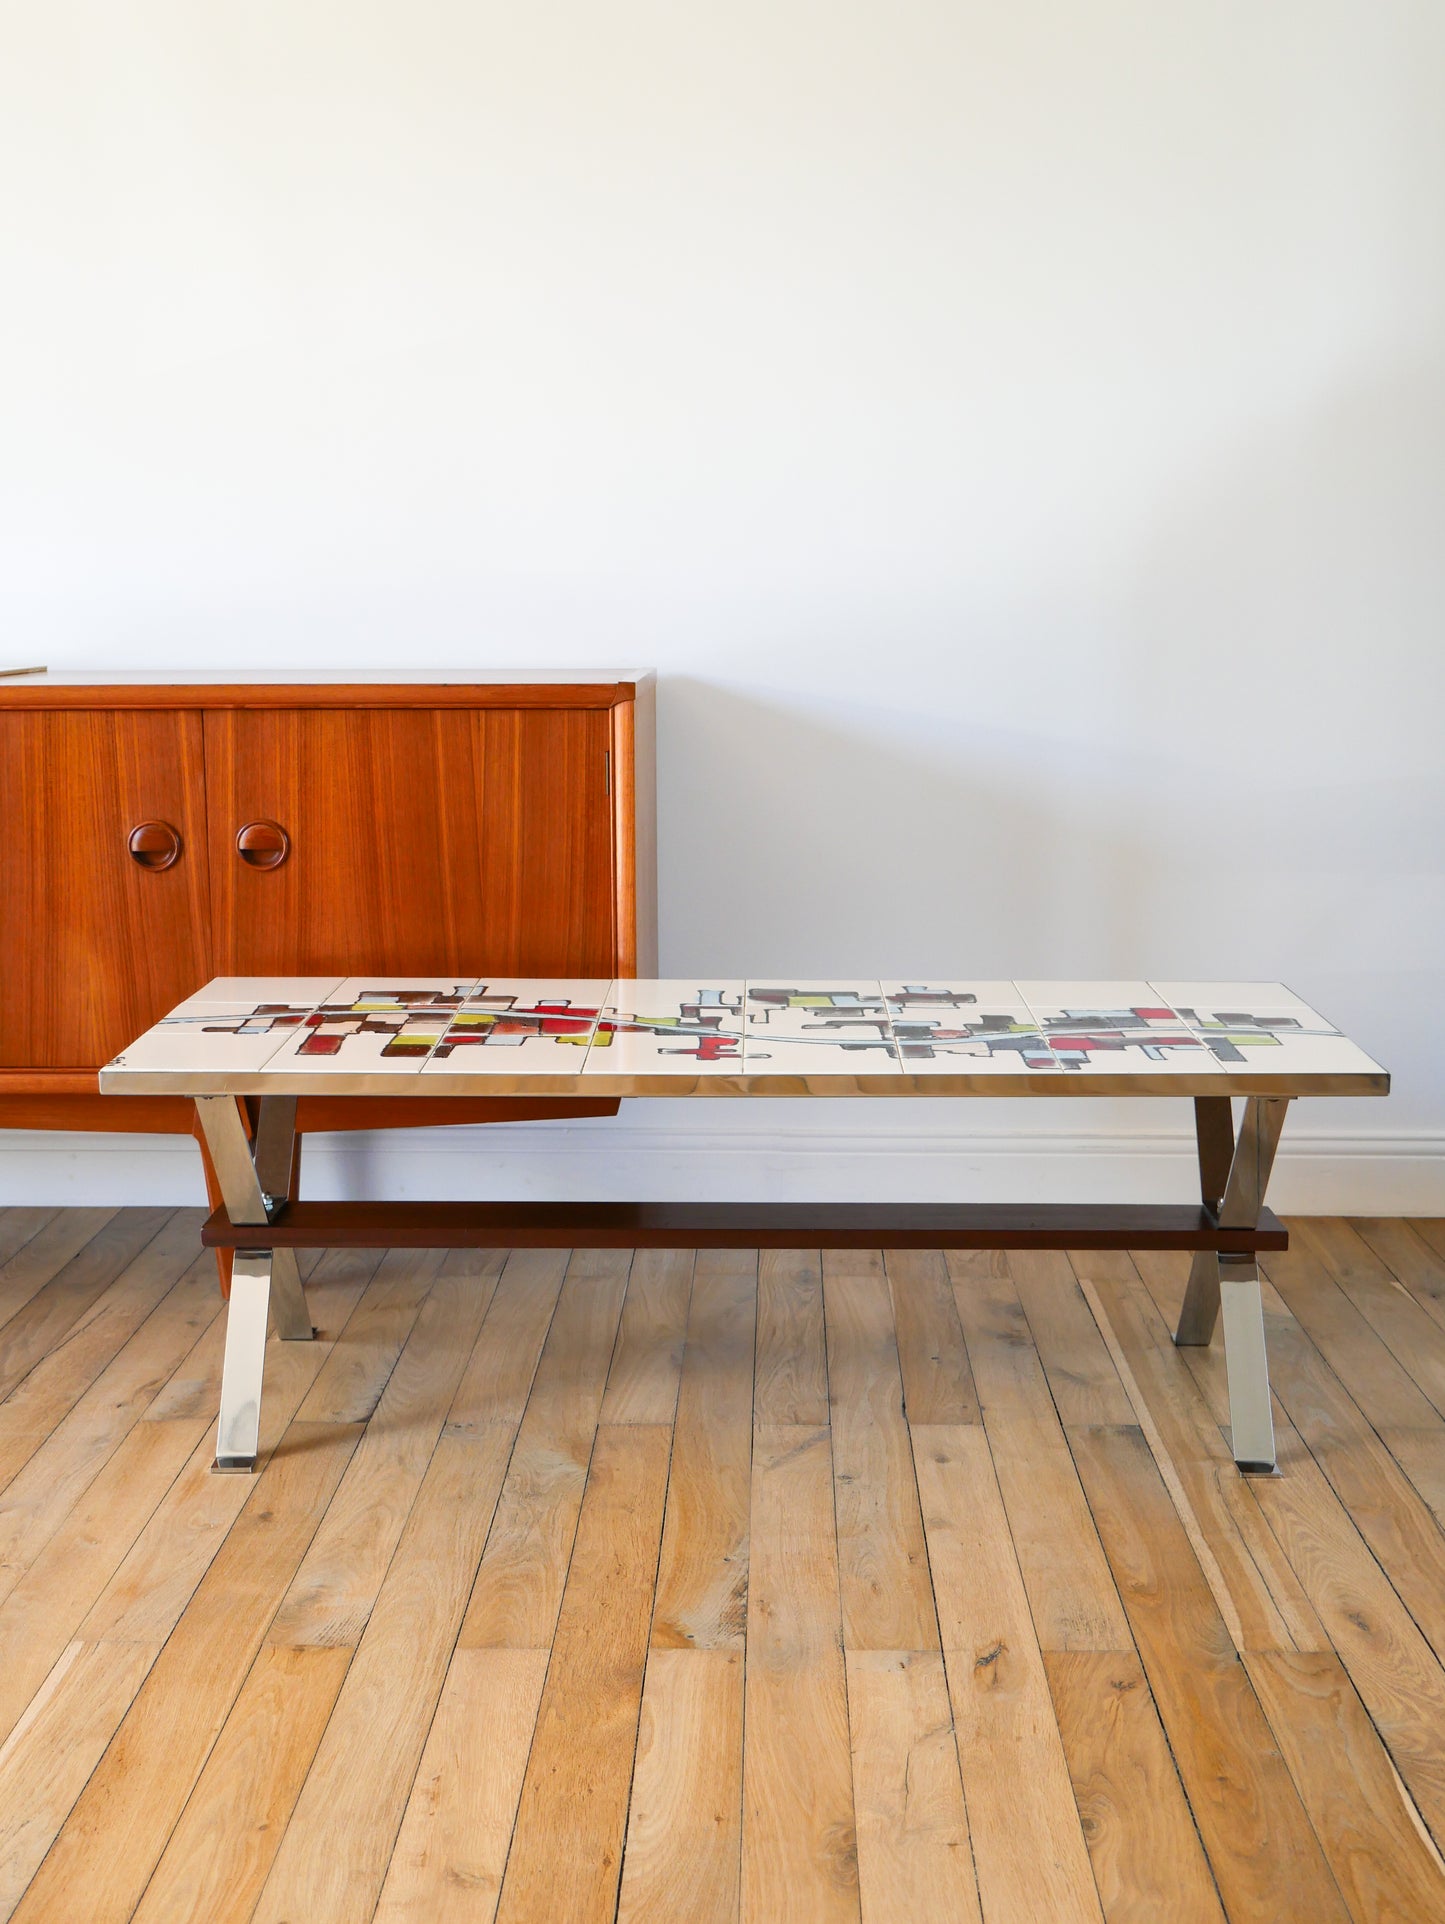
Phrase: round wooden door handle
(154, 845)
(263, 844)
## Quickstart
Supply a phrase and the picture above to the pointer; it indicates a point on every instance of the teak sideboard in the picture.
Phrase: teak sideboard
(158, 830)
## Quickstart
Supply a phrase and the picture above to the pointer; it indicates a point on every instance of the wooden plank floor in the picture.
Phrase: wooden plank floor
(687, 1590)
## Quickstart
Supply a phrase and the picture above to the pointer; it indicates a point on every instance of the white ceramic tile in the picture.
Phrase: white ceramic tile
(937, 996)
(1039, 996)
(971, 1041)
(514, 1025)
(793, 1056)
(1266, 995)
(403, 991)
(583, 994)
(680, 1026)
(234, 991)
(242, 1036)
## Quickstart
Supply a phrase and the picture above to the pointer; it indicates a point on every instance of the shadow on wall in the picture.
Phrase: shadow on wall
(1219, 760)
(852, 840)
(1299, 579)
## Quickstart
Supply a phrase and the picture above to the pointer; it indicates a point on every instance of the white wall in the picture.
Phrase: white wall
(1015, 433)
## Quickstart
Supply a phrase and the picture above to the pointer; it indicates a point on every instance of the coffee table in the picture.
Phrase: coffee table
(245, 1048)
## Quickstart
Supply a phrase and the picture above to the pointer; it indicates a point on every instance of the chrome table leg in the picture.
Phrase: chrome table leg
(1233, 1281)
(255, 1180)
(1251, 1419)
(239, 1428)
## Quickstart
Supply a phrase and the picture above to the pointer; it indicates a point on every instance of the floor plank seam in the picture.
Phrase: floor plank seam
(261, 1466)
(6, 1319)
(403, 1802)
(571, 1551)
(89, 1386)
(647, 1655)
(1115, 1358)
(1317, 1759)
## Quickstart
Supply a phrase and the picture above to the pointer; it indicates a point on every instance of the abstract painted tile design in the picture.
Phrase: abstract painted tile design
(998, 1041)
(681, 1027)
(924, 997)
(805, 1028)
(381, 1024)
(1112, 1028)
(795, 1030)
(949, 1028)
(506, 1024)
(1244, 1022)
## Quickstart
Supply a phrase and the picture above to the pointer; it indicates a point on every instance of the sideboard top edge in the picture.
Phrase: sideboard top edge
(162, 688)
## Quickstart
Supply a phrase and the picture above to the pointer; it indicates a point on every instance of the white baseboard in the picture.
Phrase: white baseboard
(1316, 1174)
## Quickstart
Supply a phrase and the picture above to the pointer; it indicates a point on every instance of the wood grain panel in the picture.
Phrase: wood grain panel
(167, 1751)
(200, 691)
(790, 1381)
(882, 1561)
(1147, 1858)
(800, 1853)
(108, 946)
(1372, 1834)
(43, 1255)
(115, 1836)
(1071, 1593)
(642, 1382)
(1258, 1594)
(1027, 1842)
(332, 1594)
(937, 1380)
(424, 842)
(702, 1580)
(684, 1829)
(220, 1852)
(915, 1863)
(519, 1587)
(19, 1226)
(1256, 1832)
(573, 1811)
(63, 1301)
(333, 1859)
(452, 1848)
(44, 1766)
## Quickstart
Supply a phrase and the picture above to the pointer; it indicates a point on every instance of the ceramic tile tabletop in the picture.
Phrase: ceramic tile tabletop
(802, 1034)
